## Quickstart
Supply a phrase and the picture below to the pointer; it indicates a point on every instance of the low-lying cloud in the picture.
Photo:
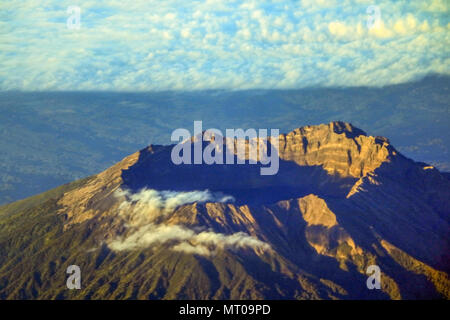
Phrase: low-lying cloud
(186, 240)
(143, 213)
(148, 205)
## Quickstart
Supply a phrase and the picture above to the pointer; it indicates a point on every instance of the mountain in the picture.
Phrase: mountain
(147, 228)
(52, 138)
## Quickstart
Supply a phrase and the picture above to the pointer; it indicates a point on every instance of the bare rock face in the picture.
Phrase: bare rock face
(97, 195)
(341, 201)
(316, 212)
(339, 148)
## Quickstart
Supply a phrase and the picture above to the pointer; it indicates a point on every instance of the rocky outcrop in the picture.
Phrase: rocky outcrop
(337, 147)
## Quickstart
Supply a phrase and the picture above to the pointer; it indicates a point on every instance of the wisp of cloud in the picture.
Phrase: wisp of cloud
(143, 211)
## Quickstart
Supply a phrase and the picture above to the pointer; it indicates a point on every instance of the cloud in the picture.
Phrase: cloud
(147, 205)
(144, 214)
(184, 239)
(436, 6)
(182, 45)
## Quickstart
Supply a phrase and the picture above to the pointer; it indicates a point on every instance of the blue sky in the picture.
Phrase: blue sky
(144, 45)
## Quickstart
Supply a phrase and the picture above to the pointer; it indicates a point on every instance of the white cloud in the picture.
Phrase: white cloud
(148, 204)
(436, 6)
(145, 215)
(155, 45)
(184, 239)
(338, 28)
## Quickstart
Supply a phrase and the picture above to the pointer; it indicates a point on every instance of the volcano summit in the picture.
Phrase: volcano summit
(147, 228)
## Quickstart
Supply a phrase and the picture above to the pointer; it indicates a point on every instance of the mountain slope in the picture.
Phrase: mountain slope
(148, 229)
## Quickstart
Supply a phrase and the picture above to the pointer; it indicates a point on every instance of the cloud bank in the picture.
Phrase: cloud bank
(144, 45)
(144, 213)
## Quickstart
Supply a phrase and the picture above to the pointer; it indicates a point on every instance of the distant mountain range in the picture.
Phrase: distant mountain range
(146, 228)
(51, 138)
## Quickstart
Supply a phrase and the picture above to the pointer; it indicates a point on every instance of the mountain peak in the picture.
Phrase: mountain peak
(337, 127)
(338, 147)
